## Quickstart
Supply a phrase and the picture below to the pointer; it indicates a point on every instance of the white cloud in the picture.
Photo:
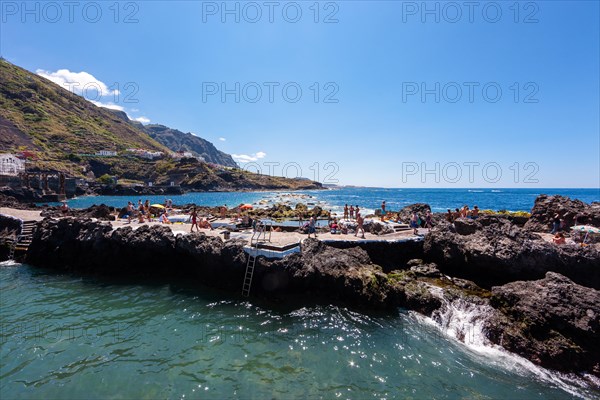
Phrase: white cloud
(143, 120)
(110, 106)
(222, 139)
(81, 83)
(249, 158)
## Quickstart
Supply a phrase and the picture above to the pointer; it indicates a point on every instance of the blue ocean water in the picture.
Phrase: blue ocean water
(65, 336)
(368, 198)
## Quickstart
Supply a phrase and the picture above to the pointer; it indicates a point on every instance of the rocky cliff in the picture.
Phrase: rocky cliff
(177, 140)
(493, 251)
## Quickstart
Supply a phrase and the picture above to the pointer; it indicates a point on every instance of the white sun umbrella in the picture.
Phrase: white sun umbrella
(585, 228)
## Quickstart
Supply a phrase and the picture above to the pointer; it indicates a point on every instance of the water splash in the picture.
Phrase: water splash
(9, 263)
(464, 321)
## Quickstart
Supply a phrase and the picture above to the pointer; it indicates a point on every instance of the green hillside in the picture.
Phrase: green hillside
(58, 126)
(58, 122)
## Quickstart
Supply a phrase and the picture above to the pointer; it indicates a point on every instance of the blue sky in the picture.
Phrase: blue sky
(407, 96)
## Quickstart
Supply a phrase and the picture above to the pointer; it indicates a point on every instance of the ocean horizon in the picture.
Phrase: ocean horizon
(369, 199)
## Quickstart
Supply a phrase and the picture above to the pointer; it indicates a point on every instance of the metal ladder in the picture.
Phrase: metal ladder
(23, 240)
(11, 249)
(261, 230)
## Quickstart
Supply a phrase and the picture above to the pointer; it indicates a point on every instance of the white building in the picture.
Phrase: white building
(106, 153)
(151, 155)
(11, 165)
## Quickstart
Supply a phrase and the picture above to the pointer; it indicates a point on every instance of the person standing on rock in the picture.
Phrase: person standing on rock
(414, 223)
(555, 223)
(356, 210)
(346, 212)
(311, 227)
(359, 224)
(351, 212)
(194, 218)
(428, 221)
(383, 211)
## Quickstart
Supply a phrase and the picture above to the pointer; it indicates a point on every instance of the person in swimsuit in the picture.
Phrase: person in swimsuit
(129, 211)
(351, 212)
(147, 210)
(559, 238)
(428, 221)
(346, 212)
(311, 227)
(382, 211)
(194, 218)
(414, 223)
(555, 223)
(360, 221)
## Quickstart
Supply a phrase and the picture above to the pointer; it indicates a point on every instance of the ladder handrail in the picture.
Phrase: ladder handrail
(260, 229)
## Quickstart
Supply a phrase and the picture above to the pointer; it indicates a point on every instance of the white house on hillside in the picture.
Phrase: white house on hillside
(11, 165)
(106, 153)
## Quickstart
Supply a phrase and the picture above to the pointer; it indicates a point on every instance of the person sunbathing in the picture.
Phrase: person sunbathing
(164, 218)
(559, 238)
(205, 224)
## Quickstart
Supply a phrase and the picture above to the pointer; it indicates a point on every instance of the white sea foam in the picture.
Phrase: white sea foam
(9, 263)
(464, 321)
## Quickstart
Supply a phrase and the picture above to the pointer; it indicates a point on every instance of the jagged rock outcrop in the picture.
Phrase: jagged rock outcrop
(82, 244)
(407, 212)
(377, 227)
(346, 274)
(85, 245)
(500, 252)
(8, 200)
(10, 228)
(552, 322)
(101, 212)
(389, 255)
(546, 207)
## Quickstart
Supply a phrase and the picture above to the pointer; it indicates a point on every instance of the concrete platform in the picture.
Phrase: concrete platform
(279, 241)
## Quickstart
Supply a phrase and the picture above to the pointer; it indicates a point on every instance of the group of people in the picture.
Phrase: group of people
(351, 212)
(335, 227)
(416, 222)
(464, 212)
(142, 212)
